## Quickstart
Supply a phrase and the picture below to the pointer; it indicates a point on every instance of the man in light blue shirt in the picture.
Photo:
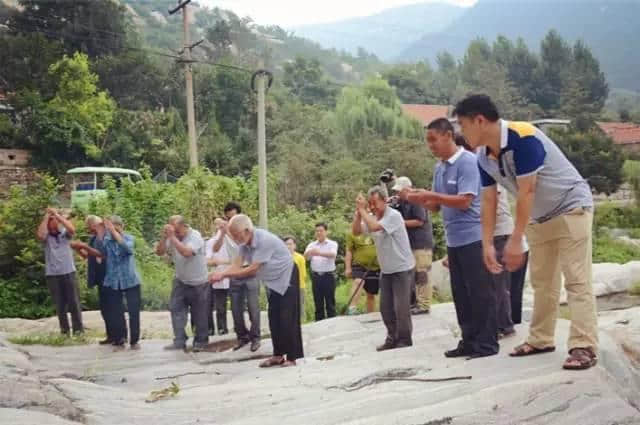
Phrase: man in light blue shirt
(456, 187)
(122, 277)
(269, 260)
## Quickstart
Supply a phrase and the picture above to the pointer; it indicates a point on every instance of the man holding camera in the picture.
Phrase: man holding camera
(418, 225)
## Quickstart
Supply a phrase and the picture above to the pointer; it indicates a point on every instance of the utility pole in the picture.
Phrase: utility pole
(259, 85)
(186, 53)
(262, 151)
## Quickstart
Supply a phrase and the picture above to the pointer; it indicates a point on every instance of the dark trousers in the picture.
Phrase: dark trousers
(133, 299)
(108, 299)
(64, 291)
(474, 296)
(395, 308)
(245, 293)
(517, 287)
(324, 294)
(219, 303)
(502, 283)
(284, 320)
(185, 299)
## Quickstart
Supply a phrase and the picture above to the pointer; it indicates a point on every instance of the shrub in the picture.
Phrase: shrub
(608, 250)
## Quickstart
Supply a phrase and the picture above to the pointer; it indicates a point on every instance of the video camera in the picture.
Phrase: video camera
(386, 177)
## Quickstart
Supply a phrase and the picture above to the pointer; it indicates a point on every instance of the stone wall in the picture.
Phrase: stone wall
(14, 169)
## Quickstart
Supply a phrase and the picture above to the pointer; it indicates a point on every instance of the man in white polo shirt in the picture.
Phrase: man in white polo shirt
(322, 253)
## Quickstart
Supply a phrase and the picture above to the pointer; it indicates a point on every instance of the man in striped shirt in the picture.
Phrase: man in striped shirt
(555, 208)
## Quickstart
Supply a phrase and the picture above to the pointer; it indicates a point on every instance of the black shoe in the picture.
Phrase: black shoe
(457, 352)
(241, 343)
(386, 346)
(106, 341)
(198, 348)
(480, 355)
(212, 332)
(255, 345)
(223, 331)
(416, 311)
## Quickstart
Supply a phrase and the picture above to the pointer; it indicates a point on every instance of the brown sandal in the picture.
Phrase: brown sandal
(580, 359)
(526, 349)
(272, 361)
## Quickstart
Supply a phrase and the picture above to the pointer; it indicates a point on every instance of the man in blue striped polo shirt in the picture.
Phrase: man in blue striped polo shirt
(554, 207)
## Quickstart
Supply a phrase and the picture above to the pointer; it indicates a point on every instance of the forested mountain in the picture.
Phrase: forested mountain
(248, 41)
(386, 34)
(610, 28)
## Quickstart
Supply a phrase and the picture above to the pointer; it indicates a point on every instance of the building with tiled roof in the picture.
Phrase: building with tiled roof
(624, 134)
(427, 113)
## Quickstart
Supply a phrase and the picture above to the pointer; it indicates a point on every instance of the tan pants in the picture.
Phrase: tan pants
(424, 287)
(562, 246)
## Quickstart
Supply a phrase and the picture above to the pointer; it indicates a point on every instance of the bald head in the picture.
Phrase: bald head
(180, 225)
(93, 222)
(241, 229)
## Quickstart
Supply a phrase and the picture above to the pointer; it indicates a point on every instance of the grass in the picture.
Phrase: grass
(52, 339)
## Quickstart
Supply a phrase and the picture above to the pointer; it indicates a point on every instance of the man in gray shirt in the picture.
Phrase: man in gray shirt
(555, 207)
(55, 233)
(243, 292)
(186, 248)
(389, 233)
(269, 260)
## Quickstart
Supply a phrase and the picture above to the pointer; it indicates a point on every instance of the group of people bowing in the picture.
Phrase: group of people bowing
(388, 251)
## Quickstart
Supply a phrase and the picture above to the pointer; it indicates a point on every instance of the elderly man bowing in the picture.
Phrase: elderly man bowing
(270, 261)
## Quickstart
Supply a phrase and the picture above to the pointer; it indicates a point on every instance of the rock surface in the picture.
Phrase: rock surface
(343, 380)
(608, 278)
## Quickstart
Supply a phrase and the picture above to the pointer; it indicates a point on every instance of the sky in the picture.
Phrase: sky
(289, 13)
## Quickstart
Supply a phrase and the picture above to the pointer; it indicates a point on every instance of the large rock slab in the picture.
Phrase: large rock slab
(343, 380)
(608, 278)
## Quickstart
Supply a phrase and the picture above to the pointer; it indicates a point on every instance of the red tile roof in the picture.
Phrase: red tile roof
(427, 113)
(622, 133)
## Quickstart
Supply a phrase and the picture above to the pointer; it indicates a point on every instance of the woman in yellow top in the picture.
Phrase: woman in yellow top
(361, 262)
(300, 261)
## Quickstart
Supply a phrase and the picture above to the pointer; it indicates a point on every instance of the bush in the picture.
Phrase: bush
(608, 250)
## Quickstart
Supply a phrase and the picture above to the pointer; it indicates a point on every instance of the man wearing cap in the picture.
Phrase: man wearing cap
(418, 224)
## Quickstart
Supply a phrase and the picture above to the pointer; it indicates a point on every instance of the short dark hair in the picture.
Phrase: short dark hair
(232, 206)
(322, 224)
(461, 141)
(289, 238)
(441, 125)
(477, 104)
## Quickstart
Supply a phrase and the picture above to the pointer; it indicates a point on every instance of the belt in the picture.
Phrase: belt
(322, 273)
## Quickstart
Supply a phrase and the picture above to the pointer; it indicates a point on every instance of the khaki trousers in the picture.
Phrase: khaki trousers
(424, 287)
(562, 246)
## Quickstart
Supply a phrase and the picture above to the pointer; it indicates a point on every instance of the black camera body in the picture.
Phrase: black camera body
(387, 176)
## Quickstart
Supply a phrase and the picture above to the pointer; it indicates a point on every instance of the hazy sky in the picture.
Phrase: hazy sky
(288, 13)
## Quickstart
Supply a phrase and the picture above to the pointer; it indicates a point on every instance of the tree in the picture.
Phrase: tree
(305, 80)
(554, 71)
(595, 156)
(69, 128)
(586, 90)
(221, 38)
(413, 83)
(95, 27)
(373, 109)
(25, 60)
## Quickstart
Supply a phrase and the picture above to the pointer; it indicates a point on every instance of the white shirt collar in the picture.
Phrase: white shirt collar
(455, 156)
(504, 133)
